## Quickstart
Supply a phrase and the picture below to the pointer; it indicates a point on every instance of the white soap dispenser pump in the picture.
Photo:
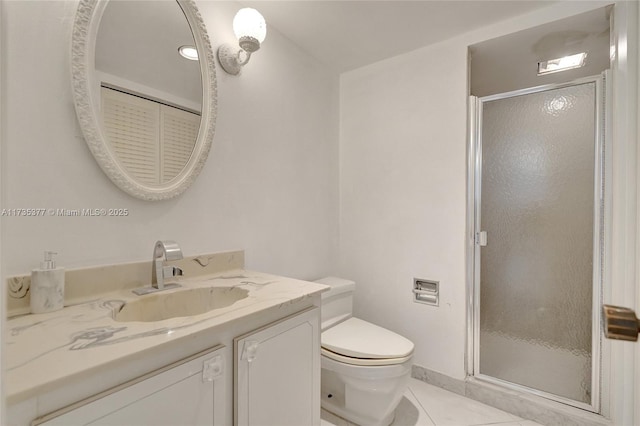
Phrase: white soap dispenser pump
(47, 286)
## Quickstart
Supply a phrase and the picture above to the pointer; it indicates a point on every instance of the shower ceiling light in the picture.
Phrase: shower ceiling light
(562, 64)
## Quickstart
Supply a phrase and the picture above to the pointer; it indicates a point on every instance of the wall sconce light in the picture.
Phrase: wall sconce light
(250, 29)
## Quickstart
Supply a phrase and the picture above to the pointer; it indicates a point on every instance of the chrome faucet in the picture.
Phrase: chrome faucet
(162, 251)
(165, 250)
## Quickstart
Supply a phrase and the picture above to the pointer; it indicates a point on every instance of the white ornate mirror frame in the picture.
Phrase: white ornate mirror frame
(85, 31)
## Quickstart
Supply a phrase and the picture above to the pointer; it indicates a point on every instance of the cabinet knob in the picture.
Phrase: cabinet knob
(212, 368)
(250, 350)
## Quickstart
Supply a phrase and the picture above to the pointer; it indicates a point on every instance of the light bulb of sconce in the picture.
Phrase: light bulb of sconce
(249, 22)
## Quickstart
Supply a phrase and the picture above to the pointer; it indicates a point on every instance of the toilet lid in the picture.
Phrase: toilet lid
(360, 339)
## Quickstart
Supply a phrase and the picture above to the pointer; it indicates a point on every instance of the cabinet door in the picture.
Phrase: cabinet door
(277, 373)
(188, 392)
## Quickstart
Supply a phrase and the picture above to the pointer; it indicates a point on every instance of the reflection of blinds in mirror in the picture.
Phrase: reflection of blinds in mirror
(179, 133)
(131, 126)
(151, 141)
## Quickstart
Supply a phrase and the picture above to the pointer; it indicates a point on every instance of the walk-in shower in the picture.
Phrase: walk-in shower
(536, 212)
(538, 208)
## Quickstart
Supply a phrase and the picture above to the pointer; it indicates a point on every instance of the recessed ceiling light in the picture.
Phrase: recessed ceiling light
(188, 52)
(561, 64)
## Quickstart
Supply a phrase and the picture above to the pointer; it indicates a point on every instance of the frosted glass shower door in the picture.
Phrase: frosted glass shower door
(536, 203)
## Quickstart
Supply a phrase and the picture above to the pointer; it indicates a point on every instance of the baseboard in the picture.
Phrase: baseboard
(438, 379)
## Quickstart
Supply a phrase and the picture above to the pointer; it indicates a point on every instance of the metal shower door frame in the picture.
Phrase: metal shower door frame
(474, 193)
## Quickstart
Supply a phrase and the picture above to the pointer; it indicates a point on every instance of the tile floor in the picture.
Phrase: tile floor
(427, 405)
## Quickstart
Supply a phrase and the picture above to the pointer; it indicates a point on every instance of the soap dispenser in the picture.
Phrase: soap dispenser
(47, 286)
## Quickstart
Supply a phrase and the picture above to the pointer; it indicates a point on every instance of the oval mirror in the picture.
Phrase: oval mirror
(146, 108)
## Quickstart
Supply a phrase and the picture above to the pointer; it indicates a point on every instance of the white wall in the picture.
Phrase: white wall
(403, 127)
(269, 186)
(403, 157)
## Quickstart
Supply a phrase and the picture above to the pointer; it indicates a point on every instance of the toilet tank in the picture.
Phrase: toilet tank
(337, 302)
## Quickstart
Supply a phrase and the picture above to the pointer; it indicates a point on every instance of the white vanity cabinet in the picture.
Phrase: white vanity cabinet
(253, 362)
(188, 392)
(269, 376)
(277, 373)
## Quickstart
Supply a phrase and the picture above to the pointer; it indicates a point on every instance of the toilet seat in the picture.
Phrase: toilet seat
(367, 362)
(359, 342)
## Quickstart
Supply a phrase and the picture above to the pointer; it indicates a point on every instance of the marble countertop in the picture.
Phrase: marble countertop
(44, 351)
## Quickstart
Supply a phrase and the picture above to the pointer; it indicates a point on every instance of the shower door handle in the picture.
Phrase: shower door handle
(620, 323)
(481, 238)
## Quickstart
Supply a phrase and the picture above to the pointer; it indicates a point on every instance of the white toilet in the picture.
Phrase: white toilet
(365, 368)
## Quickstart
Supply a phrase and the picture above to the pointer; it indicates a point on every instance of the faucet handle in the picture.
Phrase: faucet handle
(171, 271)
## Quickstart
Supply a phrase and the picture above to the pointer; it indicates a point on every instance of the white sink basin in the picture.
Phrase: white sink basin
(183, 303)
